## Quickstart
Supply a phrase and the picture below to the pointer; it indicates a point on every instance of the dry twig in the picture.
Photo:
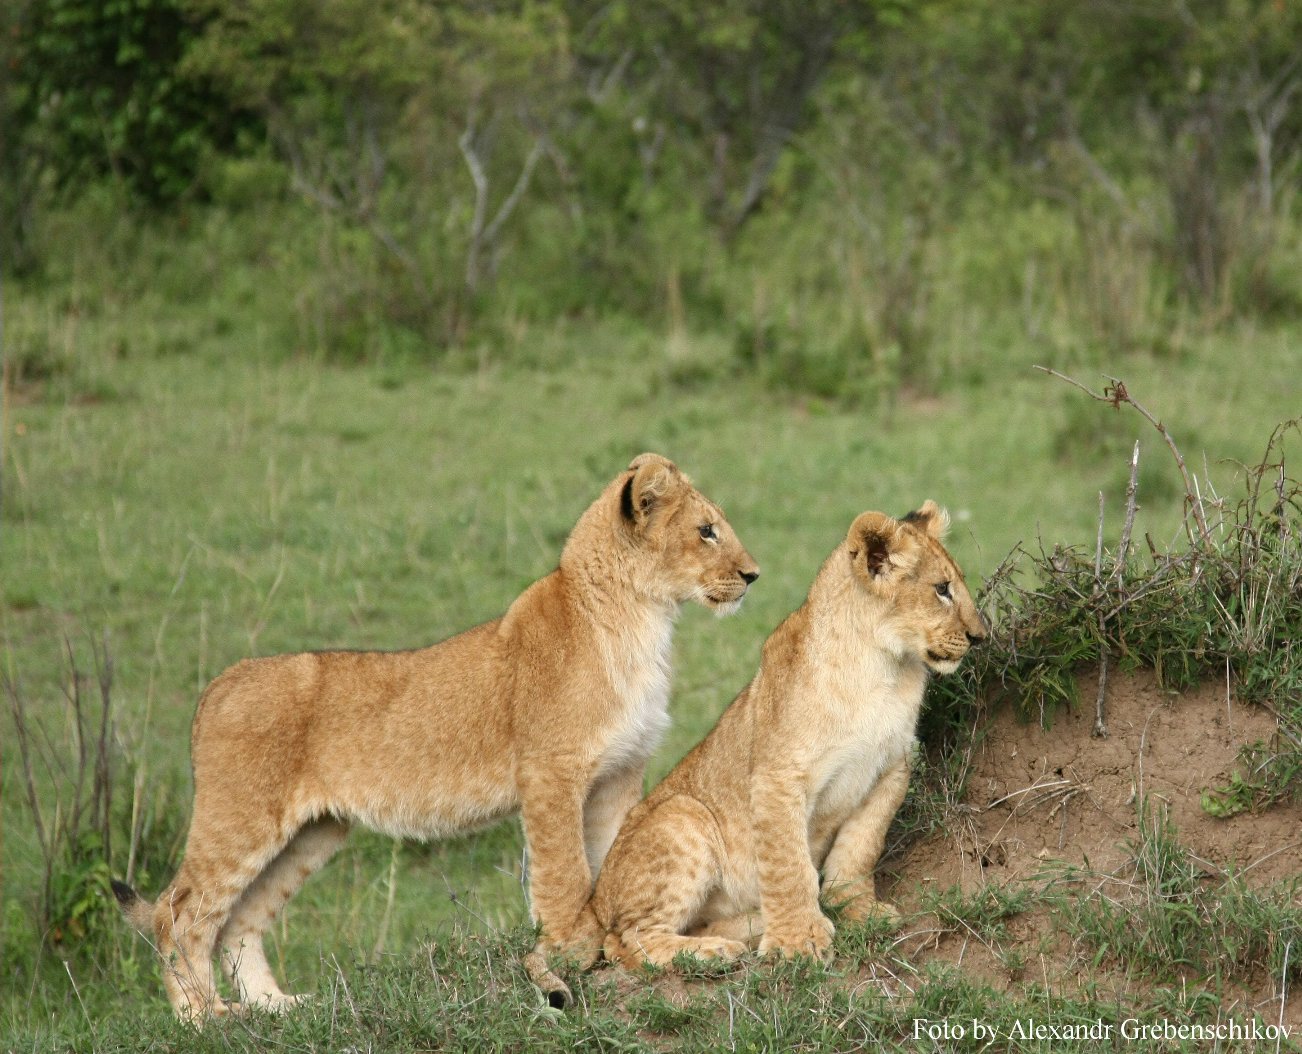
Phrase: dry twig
(1114, 395)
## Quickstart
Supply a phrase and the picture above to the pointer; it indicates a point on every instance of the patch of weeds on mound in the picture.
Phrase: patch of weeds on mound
(1168, 919)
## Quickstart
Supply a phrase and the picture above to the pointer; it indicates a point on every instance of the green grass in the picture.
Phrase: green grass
(178, 493)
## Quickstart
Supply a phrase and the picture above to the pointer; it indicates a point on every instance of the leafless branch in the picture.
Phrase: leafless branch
(1100, 174)
(517, 192)
(1114, 395)
(1100, 725)
(483, 231)
(1123, 546)
(18, 709)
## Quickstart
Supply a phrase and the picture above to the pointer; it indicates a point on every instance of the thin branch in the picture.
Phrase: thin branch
(1114, 395)
(1100, 729)
(1101, 175)
(102, 787)
(517, 192)
(1123, 547)
(483, 231)
(466, 143)
(18, 708)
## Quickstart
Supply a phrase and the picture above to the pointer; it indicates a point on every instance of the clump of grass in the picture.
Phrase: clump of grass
(983, 913)
(93, 815)
(1270, 773)
(1166, 917)
(74, 835)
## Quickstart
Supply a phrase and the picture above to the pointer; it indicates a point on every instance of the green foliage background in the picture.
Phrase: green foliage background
(851, 192)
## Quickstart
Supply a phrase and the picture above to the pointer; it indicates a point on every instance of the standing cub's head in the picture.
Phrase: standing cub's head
(902, 562)
(683, 544)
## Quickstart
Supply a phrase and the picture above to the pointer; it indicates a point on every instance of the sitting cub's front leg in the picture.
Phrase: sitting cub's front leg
(793, 922)
(848, 870)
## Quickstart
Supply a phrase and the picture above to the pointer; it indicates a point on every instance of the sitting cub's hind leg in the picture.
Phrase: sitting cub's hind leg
(660, 885)
(242, 956)
(848, 871)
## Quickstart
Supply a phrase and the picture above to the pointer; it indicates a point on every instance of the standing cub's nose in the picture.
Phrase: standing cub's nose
(975, 638)
(748, 576)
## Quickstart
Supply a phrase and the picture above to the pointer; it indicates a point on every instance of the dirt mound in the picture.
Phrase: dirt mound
(1040, 797)
(1056, 808)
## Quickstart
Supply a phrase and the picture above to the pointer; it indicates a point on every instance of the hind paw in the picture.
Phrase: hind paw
(861, 909)
(715, 948)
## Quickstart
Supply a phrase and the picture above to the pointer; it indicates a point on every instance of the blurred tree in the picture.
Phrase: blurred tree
(421, 122)
(102, 92)
(18, 171)
(739, 75)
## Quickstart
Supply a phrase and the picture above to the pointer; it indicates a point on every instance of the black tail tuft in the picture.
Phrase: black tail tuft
(125, 894)
(137, 909)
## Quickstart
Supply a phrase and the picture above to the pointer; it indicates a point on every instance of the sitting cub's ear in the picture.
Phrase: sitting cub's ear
(653, 478)
(878, 548)
(931, 518)
(651, 459)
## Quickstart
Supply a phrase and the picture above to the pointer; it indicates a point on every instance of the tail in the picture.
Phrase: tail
(137, 909)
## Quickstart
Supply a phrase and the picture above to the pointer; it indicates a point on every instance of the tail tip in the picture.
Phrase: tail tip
(126, 896)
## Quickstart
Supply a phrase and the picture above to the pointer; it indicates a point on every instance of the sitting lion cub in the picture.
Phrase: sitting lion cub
(552, 709)
(804, 770)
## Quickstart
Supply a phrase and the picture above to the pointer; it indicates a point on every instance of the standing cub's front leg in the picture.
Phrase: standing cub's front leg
(848, 870)
(793, 922)
(552, 795)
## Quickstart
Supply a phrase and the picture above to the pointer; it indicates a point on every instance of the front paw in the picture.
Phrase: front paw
(864, 908)
(807, 936)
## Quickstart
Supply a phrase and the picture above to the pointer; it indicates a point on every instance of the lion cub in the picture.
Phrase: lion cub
(552, 709)
(804, 770)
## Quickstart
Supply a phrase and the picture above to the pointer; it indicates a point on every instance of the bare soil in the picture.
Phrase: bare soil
(1057, 807)
(1038, 797)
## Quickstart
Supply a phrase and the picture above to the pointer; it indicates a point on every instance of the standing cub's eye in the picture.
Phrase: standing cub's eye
(942, 591)
(707, 533)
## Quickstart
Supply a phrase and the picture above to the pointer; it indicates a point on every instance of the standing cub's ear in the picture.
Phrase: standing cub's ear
(931, 518)
(878, 547)
(653, 478)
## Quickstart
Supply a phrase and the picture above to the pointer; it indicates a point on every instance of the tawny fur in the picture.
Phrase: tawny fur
(804, 770)
(552, 709)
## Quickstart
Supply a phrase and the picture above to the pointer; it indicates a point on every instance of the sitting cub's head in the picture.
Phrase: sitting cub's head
(903, 562)
(689, 548)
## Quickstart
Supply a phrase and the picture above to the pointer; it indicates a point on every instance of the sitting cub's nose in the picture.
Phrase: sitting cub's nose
(748, 576)
(975, 638)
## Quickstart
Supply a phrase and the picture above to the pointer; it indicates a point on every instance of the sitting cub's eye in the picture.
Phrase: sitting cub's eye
(707, 533)
(942, 591)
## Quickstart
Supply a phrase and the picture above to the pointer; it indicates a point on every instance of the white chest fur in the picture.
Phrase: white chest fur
(637, 660)
(869, 706)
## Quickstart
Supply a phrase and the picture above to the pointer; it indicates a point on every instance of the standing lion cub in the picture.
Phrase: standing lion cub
(804, 770)
(552, 709)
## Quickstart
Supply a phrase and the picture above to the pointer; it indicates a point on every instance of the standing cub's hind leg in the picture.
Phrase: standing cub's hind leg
(660, 882)
(223, 858)
(243, 959)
